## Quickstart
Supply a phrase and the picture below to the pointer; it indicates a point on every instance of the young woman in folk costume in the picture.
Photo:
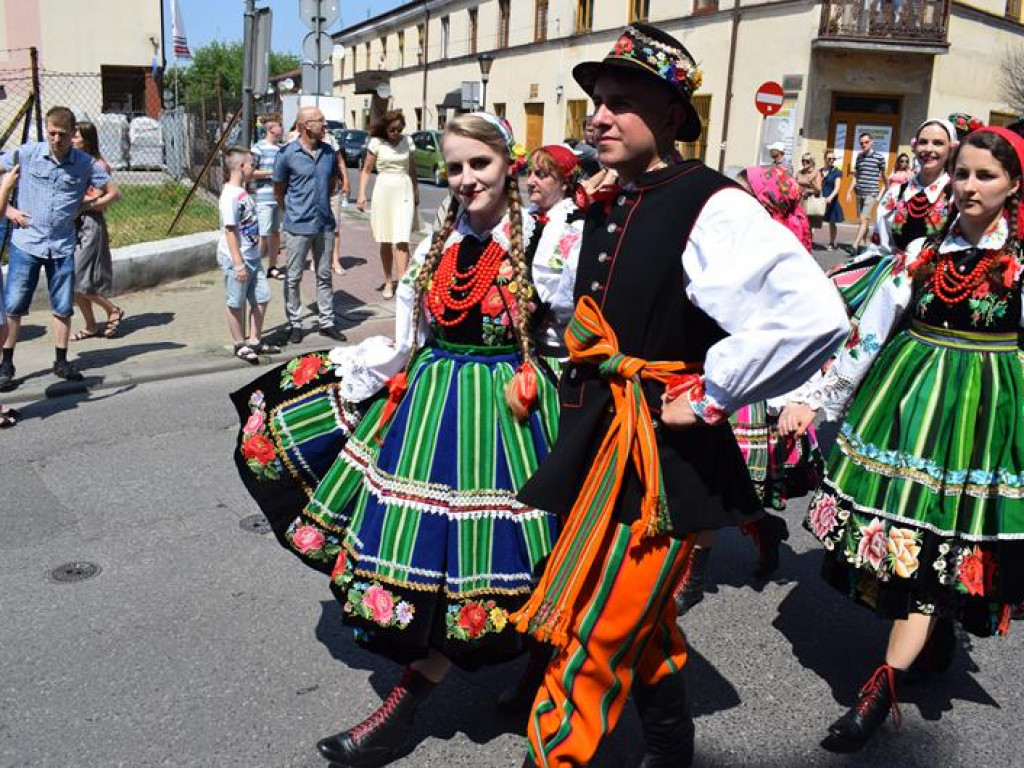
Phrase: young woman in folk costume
(780, 465)
(911, 210)
(922, 508)
(403, 470)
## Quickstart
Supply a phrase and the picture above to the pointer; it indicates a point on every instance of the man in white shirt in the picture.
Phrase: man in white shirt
(690, 302)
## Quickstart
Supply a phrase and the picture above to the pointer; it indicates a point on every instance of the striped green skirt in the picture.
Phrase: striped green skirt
(922, 509)
(416, 521)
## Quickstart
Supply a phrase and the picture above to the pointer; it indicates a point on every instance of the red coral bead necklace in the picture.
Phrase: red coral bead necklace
(953, 287)
(452, 290)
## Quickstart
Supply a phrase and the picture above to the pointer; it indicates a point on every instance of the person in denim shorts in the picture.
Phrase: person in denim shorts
(245, 280)
(51, 189)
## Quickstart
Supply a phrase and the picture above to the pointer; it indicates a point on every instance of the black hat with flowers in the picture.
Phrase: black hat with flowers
(646, 49)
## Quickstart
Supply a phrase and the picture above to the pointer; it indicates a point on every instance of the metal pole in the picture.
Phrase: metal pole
(483, 96)
(33, 53)
(247, 53)
(728, 83)
(426, 38)
(319, 53)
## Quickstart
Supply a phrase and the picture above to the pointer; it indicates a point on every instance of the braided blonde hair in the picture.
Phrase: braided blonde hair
(524, 283)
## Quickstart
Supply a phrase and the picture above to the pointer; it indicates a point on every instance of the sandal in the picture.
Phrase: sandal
(248, 354)
(266, 348)
(389, 291)
(276, 273)
(84, 334)
(113, 323)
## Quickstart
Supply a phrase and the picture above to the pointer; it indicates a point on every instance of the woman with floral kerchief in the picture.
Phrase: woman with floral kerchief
(922, 508)
(913, 209)
(780, 195)
(399, 478)
(779, 465)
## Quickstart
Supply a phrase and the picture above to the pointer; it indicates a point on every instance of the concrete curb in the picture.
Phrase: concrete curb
(145, 265)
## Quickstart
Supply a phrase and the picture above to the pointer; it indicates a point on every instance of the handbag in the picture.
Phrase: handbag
(815, 205)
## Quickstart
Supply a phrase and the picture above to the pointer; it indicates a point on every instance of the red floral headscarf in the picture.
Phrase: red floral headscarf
(780, 195)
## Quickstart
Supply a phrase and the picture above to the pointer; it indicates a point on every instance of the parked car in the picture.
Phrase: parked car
(353, 145)
(426, 154)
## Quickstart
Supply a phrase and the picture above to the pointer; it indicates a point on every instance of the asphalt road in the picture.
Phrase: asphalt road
(203, 644)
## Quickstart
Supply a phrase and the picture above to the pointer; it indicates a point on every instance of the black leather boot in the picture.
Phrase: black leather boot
(691, 588)
(518, 697)
(667, 722)
(769, 531)
(876, 699)
(382, 736)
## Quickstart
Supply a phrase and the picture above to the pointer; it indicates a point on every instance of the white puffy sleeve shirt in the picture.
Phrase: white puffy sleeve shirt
(754, 278)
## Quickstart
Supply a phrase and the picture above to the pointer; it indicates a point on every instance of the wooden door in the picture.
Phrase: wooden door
(534, 126)
(844, 131)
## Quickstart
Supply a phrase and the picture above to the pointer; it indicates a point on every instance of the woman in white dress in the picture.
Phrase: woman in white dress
(395, 194)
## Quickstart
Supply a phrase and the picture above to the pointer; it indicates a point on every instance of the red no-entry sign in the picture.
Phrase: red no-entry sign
(768, 99)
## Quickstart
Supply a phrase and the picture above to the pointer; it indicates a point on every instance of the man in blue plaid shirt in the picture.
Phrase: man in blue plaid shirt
(51, 189)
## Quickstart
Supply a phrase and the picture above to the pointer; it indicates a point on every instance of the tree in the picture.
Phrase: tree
(1011, 79)
(212, 85)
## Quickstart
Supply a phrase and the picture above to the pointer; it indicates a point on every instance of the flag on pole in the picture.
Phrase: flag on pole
(178, 37)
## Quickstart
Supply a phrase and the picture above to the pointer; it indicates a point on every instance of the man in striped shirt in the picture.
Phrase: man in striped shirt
(269, 214)
(868, 173)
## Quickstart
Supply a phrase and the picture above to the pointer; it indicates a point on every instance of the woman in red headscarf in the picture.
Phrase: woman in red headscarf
(922, 509)
(553, 173)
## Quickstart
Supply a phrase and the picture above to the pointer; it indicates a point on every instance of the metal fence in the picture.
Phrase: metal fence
(154, 159)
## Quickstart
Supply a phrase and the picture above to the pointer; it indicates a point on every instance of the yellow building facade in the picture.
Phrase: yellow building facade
(846, 66)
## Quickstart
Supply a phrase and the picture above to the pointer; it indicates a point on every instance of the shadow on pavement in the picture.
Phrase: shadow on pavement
(99, 358)
(348, 262)
(67, 399)
(132, 323)
(31, 333)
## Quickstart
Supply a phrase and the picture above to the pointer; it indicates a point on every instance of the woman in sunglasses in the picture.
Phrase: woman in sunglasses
(830, 177)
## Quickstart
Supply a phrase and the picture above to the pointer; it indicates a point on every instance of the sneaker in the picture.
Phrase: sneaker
(295, 335)
(63, 369)
(333, 333)
(7, 377)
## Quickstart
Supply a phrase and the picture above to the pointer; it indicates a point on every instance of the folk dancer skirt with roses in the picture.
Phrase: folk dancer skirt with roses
(922, 509)
(416, 522)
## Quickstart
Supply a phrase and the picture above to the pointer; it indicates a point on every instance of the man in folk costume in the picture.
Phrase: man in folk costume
(691, 302)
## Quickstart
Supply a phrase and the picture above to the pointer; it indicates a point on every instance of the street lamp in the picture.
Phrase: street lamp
(485, 60)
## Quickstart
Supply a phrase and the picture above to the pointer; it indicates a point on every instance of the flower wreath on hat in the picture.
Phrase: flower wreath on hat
(668, 63)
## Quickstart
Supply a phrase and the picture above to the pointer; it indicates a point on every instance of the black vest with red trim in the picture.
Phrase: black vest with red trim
(631, 265)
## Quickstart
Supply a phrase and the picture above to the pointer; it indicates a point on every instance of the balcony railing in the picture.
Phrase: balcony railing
(886, 21)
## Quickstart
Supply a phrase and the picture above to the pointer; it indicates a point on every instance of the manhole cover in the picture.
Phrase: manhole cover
(254, 524)
(76, 571)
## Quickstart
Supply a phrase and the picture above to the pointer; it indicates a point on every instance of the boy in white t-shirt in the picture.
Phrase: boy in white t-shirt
(238, 253)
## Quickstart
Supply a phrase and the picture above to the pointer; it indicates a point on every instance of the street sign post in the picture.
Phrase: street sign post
(318, 75)
(769, 98)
